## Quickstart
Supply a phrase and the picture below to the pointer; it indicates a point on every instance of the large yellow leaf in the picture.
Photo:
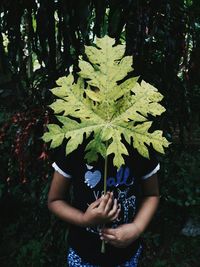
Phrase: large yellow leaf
(106, 104)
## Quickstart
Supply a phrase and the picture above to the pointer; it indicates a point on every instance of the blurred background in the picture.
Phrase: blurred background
(39, 41)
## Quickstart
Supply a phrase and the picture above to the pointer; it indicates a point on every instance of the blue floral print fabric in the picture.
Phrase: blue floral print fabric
(74, 260)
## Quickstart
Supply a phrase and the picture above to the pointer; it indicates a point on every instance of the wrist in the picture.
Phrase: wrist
(80, 219)
(84, 220)
(138, 229)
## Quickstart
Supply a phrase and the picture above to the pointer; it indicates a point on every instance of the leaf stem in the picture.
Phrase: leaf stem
(103, 248)
(105, 173)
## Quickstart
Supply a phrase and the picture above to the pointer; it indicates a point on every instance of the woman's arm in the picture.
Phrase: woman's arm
(102, 210)
(57, 203)
(125, 234)
(149, 205)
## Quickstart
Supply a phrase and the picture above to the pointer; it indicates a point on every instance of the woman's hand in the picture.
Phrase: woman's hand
(103, 210)
(121, 236)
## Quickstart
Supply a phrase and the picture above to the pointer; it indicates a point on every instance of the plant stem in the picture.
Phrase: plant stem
(105, 175)
(103, 248)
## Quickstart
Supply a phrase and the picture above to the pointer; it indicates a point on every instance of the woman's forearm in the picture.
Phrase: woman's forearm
(146, 211)
(98, 212)
(66, 212)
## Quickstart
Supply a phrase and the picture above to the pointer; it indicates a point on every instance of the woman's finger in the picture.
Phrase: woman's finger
(104, 201)
(95, 203)
(116, 215)
(108, 231)
(107, 237)
(114, 209)
(109, 203)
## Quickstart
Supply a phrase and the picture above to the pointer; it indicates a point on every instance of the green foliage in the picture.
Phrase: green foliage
(32, 236)
(160, 263)
(39, 40)
(113, 109)
(172, 253)
(181, 178)
(31, 254)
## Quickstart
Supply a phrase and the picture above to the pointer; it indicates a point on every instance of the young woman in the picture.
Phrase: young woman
(119, 216)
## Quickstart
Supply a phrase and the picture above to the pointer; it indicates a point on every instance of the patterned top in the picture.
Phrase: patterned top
(87, 182)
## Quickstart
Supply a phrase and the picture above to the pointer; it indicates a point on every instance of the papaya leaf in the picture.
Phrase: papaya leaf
(107, 104)
(100, 147)
(55, 135)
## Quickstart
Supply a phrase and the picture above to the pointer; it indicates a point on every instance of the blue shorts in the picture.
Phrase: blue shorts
(74, 260)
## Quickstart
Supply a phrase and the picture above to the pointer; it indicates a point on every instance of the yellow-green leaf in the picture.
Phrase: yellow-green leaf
(107, 103)
(55, 135)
